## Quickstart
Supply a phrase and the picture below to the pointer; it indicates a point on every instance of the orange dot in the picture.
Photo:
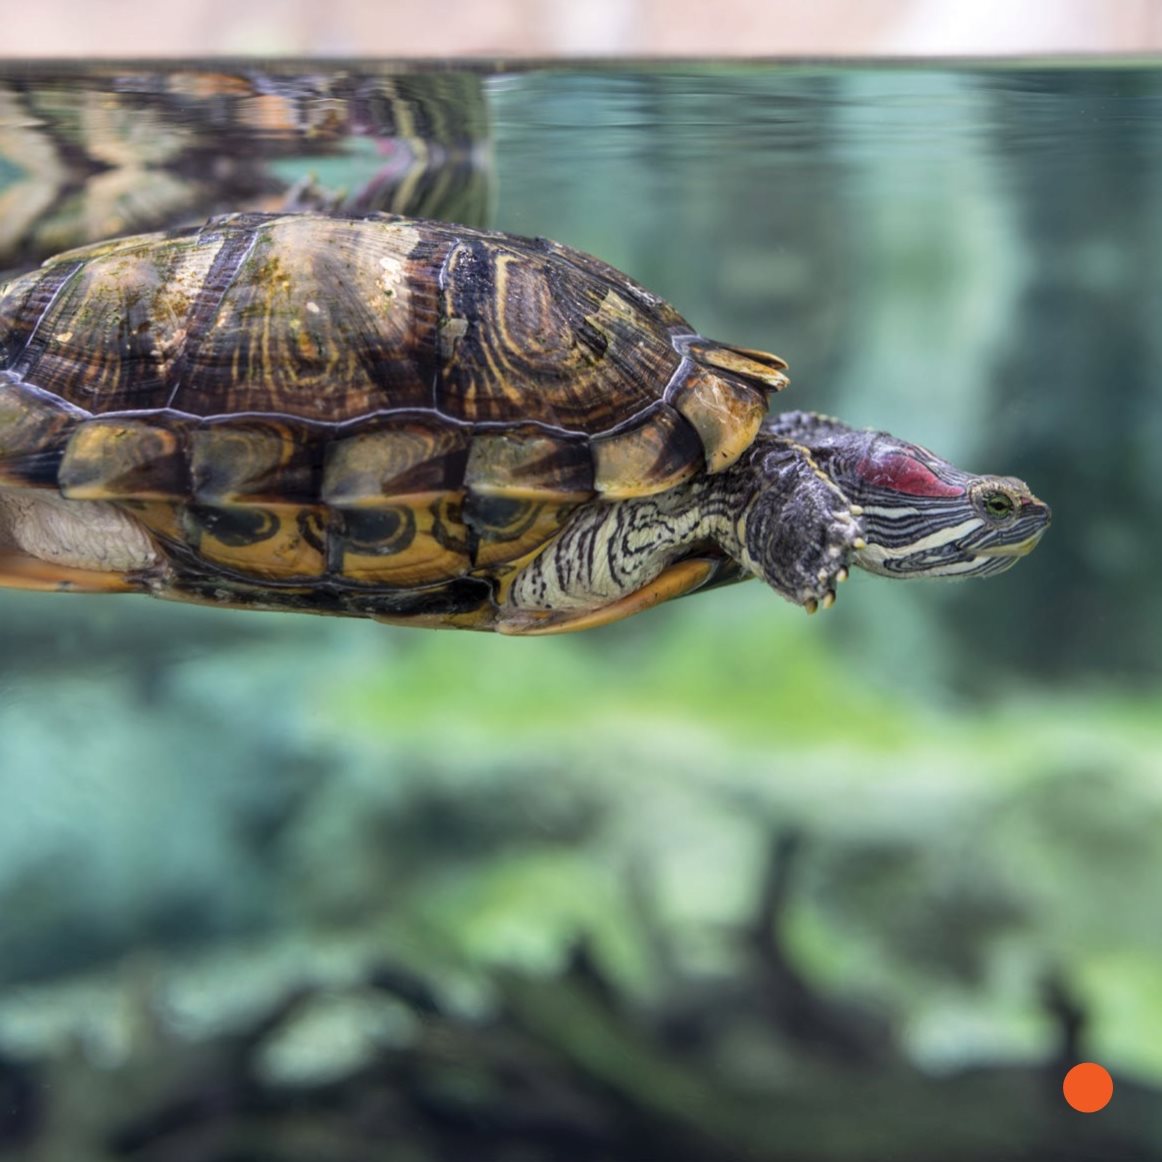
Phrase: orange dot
(1088, 1087)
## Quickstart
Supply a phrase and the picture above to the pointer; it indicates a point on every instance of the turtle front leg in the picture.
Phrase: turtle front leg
(800, 531)
(777, 514)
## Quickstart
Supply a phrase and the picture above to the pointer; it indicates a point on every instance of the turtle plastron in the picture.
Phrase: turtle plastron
(18, 571)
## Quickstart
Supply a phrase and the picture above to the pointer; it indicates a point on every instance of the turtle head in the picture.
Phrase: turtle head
(923, 517)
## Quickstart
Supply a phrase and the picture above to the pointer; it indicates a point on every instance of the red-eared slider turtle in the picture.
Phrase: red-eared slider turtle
(428, 424)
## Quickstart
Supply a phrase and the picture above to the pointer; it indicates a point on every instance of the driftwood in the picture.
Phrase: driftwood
(567, 1068)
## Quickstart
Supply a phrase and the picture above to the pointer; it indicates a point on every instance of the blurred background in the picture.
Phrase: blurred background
(720, 882)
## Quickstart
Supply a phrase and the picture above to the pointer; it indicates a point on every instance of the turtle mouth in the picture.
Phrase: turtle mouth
(1020, 549)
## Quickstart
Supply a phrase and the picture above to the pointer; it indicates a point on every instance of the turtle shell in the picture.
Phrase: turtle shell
(361, 415)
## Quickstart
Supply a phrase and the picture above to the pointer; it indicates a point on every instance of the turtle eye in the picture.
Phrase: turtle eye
(997, 504)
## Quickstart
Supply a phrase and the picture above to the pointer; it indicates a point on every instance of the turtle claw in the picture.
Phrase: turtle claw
(801, 530)
(841, 538)
(814, 604)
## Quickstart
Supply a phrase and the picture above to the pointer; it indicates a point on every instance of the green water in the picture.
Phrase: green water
(213, 807)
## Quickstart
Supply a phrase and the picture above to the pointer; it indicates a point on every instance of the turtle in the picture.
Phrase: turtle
(429, 424)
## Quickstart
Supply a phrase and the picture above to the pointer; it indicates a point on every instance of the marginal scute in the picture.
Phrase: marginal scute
(120, 459)
(374, 467)
(243, 462)
(385, 531)
(529, 465)
(725, 412)
(760, 366)
(658, 451)
(34, 431)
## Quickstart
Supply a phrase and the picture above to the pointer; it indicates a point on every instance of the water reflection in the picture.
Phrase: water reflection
(92, 154)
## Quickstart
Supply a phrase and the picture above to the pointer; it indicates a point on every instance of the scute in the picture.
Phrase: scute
(319, 318)
(400, 546)
(123, 459)
(304, 315)
(330, 320)
(507, 529)
(257, 461)
(644, 299)
(758, 366)
(529, 464)
(112, 336)
(34, 432)
(655, 453)
(386, 462)
(725, 412)
(546, 343)
(277, 543)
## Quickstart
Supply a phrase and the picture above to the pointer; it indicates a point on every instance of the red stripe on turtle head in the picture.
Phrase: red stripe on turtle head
(905, 474)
